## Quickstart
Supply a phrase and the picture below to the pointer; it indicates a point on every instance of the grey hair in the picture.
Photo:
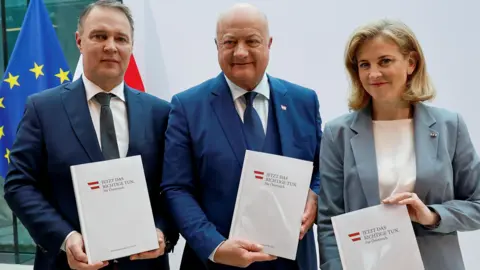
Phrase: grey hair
(106, 4)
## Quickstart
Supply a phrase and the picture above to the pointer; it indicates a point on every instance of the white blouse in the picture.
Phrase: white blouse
(395, 151)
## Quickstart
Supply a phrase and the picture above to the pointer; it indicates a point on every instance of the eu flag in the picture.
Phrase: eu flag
(37, 63)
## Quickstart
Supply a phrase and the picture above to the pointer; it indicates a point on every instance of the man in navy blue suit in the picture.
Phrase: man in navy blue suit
(94, 118)
(212, 125)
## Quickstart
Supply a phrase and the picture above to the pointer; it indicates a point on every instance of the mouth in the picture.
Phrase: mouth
(378, 84)
(110, 61)
(241, 64)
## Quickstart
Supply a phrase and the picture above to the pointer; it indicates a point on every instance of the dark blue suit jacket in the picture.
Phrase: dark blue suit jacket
(204, 154)
(56, 132)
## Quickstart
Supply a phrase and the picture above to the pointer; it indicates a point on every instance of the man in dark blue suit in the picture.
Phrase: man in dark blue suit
(212, 125)
(92, 119)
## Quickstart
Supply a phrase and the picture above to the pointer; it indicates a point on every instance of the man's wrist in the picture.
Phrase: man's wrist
(63, 246)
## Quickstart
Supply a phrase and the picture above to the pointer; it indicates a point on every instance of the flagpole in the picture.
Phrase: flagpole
(5, 64)
(4, 35)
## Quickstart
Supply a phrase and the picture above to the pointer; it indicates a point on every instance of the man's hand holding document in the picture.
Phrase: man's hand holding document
(114, 209)
(271, 201)
(377, 238)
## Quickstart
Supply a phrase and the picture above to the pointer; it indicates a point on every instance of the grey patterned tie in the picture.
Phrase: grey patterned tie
(108, 137)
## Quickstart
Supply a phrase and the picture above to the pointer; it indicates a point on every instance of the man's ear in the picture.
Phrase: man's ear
(78, 41)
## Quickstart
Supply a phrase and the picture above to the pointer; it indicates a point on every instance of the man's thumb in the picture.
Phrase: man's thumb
(250, 246)
(78, 253)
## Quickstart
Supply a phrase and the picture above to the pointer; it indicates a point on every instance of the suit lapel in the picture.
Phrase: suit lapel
(76, 106)
(224, 108)
(136, 120)
(426, 148)
(363, 148)
(280, 104)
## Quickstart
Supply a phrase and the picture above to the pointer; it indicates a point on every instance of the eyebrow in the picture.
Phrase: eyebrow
(227, 36)
(380, 57)
(248, 36)
(104, 31)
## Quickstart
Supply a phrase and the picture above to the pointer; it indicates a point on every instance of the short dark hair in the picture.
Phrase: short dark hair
(106, 4)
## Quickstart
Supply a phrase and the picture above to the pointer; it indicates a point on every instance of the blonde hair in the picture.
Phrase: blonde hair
(419, 86)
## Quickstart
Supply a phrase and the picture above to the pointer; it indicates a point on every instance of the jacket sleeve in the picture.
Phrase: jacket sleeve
(179, 188)
(462, 213)
(330, 202)
(24, 182)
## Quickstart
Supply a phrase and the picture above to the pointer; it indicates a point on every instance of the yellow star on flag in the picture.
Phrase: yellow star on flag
(12, 80)
(37, 70)
(1, 103)
(63, 75)
(7, 155)
(1, 132)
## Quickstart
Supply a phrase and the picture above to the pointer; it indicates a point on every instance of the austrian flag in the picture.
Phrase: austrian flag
(355, 236)
(259, 175)
(94, 185)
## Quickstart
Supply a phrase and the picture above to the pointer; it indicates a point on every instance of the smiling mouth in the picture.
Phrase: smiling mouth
(110, 60)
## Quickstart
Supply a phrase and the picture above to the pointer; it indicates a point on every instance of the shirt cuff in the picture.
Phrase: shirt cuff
(65, 241)
(436, 225)
(213, 252)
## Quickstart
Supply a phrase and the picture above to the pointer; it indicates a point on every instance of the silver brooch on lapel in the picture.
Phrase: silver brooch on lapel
(433, 134)
(283, 107)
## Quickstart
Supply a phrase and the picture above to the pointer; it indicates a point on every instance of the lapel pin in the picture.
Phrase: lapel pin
(433, 134)
(283, 107)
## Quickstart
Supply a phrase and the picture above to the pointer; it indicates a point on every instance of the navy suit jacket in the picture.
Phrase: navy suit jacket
(204, 153)
(57, 132)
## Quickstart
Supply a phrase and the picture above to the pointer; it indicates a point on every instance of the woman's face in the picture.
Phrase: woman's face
(383, 70)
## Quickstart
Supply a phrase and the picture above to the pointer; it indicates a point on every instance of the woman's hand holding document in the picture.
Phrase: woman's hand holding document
(378, 237)
(271, 201)
(417, 210)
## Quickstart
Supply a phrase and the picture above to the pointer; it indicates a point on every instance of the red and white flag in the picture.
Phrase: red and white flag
(259, 174)
(355, 236)
(94, 185)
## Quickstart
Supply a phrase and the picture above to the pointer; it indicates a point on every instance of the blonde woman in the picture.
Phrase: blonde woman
(394, 149)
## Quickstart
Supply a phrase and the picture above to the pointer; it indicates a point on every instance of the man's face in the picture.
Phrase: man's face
(243, 47)
(106, 45)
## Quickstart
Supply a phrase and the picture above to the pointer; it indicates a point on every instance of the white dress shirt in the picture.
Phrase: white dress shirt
(120, 118)
(260, 104)
(396, 162)
(119, 112)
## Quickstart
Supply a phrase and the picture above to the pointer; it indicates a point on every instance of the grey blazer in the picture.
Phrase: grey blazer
(448, 181)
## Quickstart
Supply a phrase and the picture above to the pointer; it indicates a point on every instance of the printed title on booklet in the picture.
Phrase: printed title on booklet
(114, 184)
(279, 181)
(378, 234)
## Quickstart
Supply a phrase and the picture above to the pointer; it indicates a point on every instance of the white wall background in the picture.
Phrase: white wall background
(175, 50)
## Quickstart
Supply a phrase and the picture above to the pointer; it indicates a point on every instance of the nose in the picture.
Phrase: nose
(110, 45)
(240, 51)
(374, 74)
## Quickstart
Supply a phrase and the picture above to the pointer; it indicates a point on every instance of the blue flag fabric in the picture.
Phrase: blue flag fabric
(37, 63)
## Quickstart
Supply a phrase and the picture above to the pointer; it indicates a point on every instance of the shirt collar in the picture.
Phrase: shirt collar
(263, 88)
(92, 89)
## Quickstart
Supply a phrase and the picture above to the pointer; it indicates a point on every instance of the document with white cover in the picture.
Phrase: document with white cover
(114, 208)
(270, 202)
(377, 238)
